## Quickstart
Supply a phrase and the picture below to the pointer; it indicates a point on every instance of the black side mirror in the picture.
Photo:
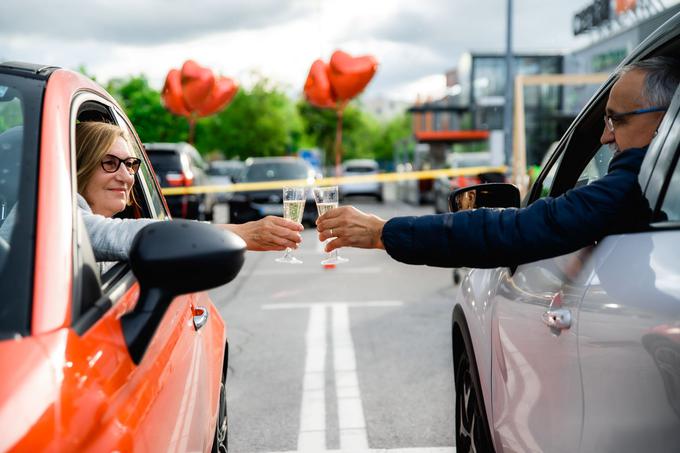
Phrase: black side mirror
(174, 258)
(492, 195)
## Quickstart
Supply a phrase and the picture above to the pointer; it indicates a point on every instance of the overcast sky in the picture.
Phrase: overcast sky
(415, 41)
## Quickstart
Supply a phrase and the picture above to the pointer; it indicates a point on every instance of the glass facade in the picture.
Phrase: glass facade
(542, 103)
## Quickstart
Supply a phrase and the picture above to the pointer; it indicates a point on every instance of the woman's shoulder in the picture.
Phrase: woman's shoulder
(82, 203)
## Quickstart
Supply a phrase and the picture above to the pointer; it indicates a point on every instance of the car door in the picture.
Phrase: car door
(162, 403)
(629, 321)
(537, 400)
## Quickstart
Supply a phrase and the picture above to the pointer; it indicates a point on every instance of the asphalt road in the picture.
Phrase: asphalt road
(356, 358)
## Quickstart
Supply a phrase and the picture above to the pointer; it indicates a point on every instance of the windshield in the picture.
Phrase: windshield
(20, 103)
(165, 161)
(275, 171)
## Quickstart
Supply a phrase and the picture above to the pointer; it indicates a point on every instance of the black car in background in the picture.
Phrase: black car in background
(180, 165)
(252, 205)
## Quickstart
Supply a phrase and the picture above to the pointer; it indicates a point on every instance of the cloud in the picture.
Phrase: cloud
(145, 22)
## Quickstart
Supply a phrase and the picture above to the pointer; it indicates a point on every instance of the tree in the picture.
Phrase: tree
(259, 122)
(142, 104)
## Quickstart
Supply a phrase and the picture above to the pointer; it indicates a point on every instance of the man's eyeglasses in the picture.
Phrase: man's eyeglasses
(613, 119)
(111, 164)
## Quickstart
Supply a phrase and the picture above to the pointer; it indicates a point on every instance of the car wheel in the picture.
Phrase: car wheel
(472, 429)
(221, 430)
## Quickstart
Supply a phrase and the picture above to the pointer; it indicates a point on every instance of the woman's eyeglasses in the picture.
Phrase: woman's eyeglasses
(612, 120)
(111, 164)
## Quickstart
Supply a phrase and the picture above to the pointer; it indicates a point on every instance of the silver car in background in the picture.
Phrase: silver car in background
(581, 352)
(361, 167)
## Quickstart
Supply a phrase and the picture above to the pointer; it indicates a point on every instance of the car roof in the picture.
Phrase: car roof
(364, 162)
(167, 147)
(279, 159)
(227, 163)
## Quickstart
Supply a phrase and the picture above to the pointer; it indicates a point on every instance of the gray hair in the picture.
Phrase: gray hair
(661, 79)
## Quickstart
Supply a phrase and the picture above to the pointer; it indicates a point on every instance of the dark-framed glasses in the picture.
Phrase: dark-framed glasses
(111, 164)
(613, 119)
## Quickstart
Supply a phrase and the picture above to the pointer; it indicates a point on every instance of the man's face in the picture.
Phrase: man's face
(632, 131)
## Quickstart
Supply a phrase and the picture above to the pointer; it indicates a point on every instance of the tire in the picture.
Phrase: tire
(472, 428)
(221, 437)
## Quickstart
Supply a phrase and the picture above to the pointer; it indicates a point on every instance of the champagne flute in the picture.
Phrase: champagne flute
(293, 208)
(326, 199)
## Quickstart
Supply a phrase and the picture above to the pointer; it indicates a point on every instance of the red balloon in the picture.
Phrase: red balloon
(223, 92)
(197, 84)
(350, 75)
(317, 86)
(172, 94)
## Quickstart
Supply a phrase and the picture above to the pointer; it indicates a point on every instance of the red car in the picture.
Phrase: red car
(131, 358)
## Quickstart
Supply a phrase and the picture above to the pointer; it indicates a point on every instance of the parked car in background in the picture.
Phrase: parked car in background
(132, 359)
(361, 167)
(580, 352)
(181, 165)
(445, 185)
(252, 205)
(224, 173)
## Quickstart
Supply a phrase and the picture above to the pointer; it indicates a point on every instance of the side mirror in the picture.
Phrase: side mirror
(174, 258)
(492, 195)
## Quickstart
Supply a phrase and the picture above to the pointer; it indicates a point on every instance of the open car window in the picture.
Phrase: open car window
(581, 158)
(148, 198)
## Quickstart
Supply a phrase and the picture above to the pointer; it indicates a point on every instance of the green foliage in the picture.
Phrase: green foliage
(142, 104)
(261, 121)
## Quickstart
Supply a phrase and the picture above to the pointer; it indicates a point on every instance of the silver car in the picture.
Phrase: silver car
(581, 352)
(362, 167)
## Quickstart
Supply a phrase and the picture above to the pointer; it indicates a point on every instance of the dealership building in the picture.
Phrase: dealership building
(477, 86)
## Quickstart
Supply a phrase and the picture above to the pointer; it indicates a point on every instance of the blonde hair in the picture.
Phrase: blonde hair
(93, 141)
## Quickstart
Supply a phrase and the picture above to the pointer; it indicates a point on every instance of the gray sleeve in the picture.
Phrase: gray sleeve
(111, 239)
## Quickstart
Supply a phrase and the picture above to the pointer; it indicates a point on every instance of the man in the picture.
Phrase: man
(549, 227)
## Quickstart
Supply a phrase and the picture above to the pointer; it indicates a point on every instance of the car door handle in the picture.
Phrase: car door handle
(559, 318)
(200, 317)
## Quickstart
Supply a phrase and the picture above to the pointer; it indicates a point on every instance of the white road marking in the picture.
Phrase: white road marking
(293, 305)
(350, 410)
(389, 450)
(296, 270)
(312, 435)
(351, 422)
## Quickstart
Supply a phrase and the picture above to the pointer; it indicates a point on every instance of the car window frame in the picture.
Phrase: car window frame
(665, 161)
(119, 278)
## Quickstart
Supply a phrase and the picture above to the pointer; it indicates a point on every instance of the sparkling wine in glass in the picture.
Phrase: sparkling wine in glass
(293, 208)
(326, 199)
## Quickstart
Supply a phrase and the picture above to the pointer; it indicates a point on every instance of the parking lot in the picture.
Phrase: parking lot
(356, 357)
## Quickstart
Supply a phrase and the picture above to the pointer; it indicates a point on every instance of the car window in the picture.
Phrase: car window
(671, 202)
(274, 171)
(165, 161)
(360, 169)
(145, 179)
(596, 167)
(582, 159)
(20, 110)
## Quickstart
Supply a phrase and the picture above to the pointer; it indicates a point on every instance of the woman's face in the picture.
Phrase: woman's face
(108, 193)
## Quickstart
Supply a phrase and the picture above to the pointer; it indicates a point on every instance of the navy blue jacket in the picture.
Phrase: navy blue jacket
(549, 227)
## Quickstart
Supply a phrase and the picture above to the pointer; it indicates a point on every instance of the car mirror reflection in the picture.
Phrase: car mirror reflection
(492, 195)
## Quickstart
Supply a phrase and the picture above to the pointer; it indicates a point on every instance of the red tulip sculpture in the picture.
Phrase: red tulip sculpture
(194, 92)
(333, 85)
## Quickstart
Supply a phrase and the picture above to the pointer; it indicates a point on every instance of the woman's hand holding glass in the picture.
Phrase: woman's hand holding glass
(293, 207)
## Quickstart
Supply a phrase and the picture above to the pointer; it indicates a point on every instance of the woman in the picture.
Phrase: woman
(106, 175)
